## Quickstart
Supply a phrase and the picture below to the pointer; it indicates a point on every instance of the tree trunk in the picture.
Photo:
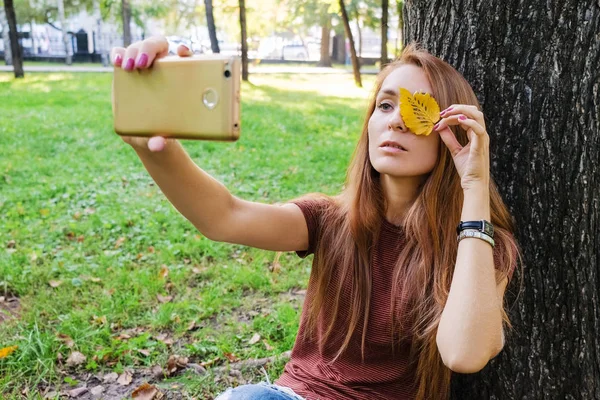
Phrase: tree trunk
(212, 29)
(100, 47)
(339, 48)
(15, 49)
(65, 34)
(5, 38)
(244, 40)
(355, 65)
(360, 41)
(400, 7)
(534, 66)
(325, 59)
(126, 17)
(384, 31)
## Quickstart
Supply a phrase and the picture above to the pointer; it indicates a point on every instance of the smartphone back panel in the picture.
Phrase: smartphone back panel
(194, 97)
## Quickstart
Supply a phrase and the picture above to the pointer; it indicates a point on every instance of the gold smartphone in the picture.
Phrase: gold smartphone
(195, 97)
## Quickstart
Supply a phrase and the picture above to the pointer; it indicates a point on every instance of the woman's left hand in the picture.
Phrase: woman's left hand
(473, 160)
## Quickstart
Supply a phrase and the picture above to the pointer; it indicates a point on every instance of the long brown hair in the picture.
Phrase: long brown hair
(352, 220)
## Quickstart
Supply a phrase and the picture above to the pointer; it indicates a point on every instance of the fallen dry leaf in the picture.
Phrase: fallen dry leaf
(97, 390)
(191, 326)
(163, 337)
(147, 392)
(119, 242)
(267, 345)
(125, 379)
(5, 352)
(144, 352)
(123, 336)
(231, 357)
(175, 363)
(164, 271)
(77, 392)
(209, 362)
(75, 359)
(55, 284)
(254, 339)
(11, 244)
(164, 299)
(66, 340)
(157, 371)
(110, 378)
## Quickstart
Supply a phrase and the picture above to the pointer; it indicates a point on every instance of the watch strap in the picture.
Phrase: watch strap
(482, 226)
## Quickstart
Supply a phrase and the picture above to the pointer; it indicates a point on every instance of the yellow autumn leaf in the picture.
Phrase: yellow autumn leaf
(5, 352)
(420, 112)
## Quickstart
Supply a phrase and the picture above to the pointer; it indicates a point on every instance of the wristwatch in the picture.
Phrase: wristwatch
(482, 226)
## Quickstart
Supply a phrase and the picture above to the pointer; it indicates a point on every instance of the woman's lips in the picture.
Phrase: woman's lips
(392, 150)
(390, 146)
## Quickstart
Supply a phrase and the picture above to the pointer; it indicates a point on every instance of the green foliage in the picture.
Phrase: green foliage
(105, 266)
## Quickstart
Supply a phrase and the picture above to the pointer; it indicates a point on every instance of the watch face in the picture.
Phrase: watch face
(488, 228)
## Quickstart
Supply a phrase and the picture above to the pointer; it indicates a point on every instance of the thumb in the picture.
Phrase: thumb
(156, 143)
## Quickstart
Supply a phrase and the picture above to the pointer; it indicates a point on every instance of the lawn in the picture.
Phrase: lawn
(101, 277)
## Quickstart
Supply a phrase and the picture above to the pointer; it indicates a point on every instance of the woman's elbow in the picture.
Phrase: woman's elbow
(468, 364)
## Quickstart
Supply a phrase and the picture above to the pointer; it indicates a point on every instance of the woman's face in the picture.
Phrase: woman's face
(418, 154)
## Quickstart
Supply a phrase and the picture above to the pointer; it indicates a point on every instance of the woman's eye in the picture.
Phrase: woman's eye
(385, 106)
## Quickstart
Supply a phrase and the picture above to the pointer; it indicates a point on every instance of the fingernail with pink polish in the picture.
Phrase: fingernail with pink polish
(142, 60)
(462, 117)
(446, 110)
(436, 126)
(118, 60)
(129, 64)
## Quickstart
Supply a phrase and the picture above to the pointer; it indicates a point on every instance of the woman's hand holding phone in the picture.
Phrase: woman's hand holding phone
(141, 55)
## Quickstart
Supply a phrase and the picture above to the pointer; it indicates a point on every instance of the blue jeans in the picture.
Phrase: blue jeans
(260, 391)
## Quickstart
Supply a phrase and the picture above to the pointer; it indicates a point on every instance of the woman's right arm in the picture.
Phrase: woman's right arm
(200, 198)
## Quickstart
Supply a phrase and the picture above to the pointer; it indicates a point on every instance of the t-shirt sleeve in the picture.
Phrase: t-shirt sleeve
(311, 208)
(500, 256)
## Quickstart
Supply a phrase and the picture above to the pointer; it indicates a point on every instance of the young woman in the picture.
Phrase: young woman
(395, 301)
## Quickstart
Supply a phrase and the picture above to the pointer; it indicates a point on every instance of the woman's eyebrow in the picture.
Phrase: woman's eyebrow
(390, 92)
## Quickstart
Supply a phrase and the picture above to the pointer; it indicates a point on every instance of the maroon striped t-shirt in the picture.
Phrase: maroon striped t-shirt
(383, 374)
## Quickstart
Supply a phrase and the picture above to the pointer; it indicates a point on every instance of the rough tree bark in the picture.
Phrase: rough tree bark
(244, 40)
(355, 64)
(15, 49)
(384, 32)
(534, 66)
(212, 29)
(126, 17)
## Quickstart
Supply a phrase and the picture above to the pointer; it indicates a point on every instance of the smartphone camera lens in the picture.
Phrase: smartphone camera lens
(227, 73)
(210, 98)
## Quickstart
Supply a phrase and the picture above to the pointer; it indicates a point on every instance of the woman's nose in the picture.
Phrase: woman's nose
(396, 123)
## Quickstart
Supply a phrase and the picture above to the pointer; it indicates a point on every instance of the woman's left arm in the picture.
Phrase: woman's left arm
(470, 330)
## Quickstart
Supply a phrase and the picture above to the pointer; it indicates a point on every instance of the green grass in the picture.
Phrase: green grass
(77, 208)
(57, 64)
